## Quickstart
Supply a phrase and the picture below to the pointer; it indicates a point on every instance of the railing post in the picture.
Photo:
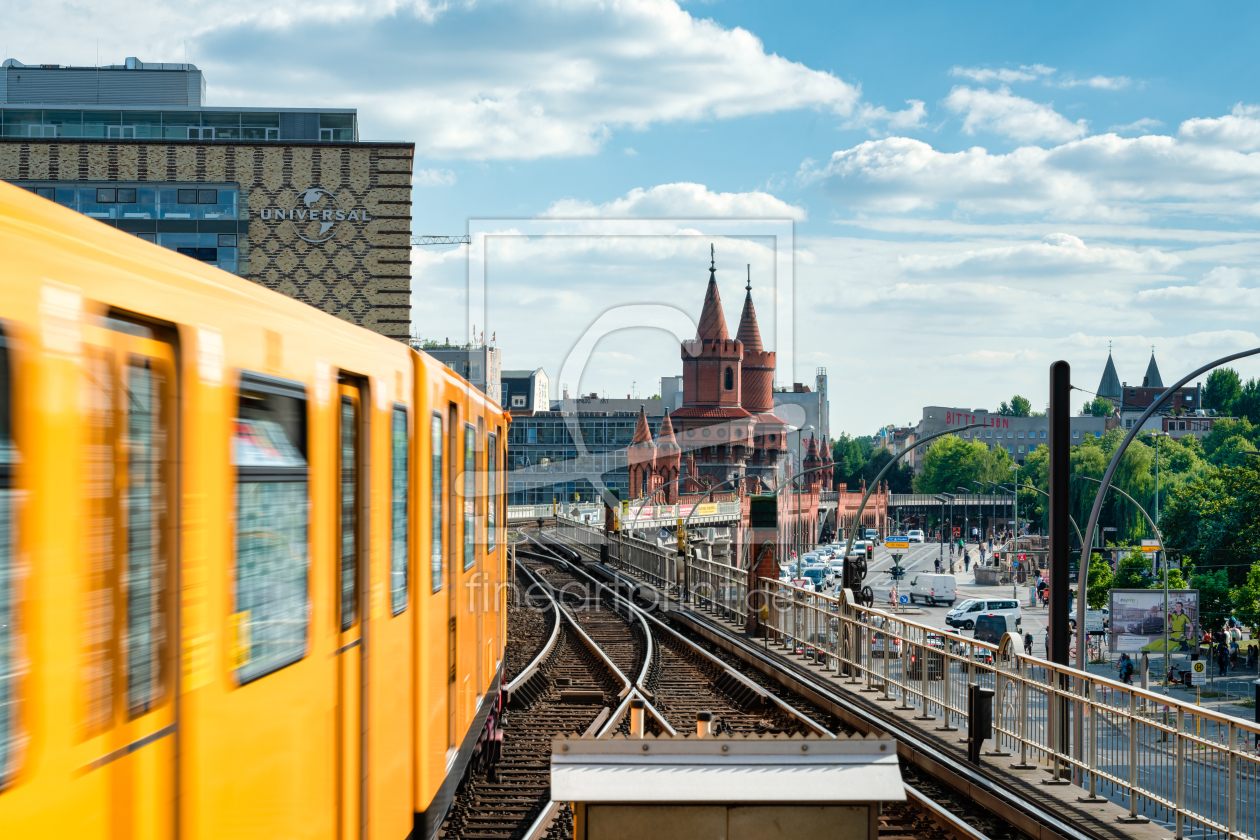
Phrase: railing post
(1024, 675)
(1230, 798)
(1179, 799)
(948, 690)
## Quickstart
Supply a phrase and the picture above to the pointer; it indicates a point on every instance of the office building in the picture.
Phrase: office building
(289, 198)
(478, 363)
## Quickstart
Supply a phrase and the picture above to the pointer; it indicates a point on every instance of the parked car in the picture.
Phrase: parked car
(872, 535)
(933, 588)
(818, 576)
(915, 536)
(964, 615)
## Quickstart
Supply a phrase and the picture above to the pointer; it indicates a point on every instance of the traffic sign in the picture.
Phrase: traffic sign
(904, 599)
(1198, 673)
(897, 542)
(1150, 546)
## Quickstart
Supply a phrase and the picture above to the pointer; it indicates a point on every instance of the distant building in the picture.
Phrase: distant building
(1180, 414)
(672, 392)
(525, 390)
(478, 363)
(815, 409)
(895, 440)
(1017, 435)
(545, 460)
(594, 402)
(289, 198)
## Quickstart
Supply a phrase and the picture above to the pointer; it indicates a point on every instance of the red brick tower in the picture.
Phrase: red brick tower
(641, 459)
(812, 480)
(712, 423)
(770, 433)
(668, 460)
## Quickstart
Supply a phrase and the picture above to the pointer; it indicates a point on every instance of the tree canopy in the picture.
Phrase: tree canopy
(1019, 407)
(1222, 390)
(952, 462)
(1098, 407)
(857, 459)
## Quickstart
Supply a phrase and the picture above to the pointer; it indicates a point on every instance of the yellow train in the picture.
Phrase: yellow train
(251, 556)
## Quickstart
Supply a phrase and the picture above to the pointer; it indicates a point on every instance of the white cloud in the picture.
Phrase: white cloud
(679, 201)
(1106, 177)
(477, 80)
(630, 151)
(1221, 289)
(872, 118)
(1137, 126)
(1006, 75)
(1056, 253)
(1013, 116)
(433, 178)
(1239, 129)
(1097, 82)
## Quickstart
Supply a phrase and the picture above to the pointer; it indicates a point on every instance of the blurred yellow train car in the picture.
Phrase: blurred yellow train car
(251, 556)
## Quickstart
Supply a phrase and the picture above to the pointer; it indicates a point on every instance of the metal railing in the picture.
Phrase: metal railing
(1190, 768)
(720, 589)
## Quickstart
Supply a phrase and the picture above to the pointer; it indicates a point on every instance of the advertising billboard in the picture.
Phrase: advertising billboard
(1137, 620)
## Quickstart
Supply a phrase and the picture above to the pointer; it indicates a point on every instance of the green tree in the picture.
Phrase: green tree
(1215, 604)
(899, 478)
(1246, 598)
(1222, 390)
(952, 462)
(1098, 407)
(1223, 430)
(1100, 582)
(1212, 522)
(1248, 404)
(851, 455)
(1134, 573)
(1019, 407)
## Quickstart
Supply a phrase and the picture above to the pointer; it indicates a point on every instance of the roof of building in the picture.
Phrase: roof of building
(642, 432)
(518, 374)
(1109, 387)
(1152, 378)
(665, 439)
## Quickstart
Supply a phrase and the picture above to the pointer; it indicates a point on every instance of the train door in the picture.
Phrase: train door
(130, 626)
(452, 641)
(351, 709)
(479, 520)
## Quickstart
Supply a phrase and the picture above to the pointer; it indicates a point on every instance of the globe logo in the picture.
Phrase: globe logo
(315, 215)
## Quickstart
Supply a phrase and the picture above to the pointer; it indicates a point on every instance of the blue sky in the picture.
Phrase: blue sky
(978, 189)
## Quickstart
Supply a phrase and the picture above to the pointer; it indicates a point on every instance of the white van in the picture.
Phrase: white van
(933, 588)
(964, 615)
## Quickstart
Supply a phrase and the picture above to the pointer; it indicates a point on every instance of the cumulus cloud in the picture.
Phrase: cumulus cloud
(1004, 113)
(1057, 253)
(433, 178)
(1221, 288)
(1006, 75)
(489, 80)
(1240, 129)
(1106, 177)
(680, 201)
(880, 121)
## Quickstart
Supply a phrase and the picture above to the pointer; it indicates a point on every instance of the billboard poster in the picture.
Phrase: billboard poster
(1137, 620)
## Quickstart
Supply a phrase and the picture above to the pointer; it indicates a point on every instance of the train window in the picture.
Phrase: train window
(145, 511)
(349, 513)
(492, 484)
(271, 616)
(398, 506)
(470, 496)
(435, 550)
(10, 732)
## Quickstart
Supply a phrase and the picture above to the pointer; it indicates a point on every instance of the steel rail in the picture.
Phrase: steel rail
(942, 817)
(533, 666)
(770, 697)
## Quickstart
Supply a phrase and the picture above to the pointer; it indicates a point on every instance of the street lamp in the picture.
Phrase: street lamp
(965, 493)
(979, 507)
(1015, 468)
(951, 498)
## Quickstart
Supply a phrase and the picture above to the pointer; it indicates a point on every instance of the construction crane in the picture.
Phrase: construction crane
(434, 239)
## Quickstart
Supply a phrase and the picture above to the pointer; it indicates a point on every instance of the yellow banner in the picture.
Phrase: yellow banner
(706, 510)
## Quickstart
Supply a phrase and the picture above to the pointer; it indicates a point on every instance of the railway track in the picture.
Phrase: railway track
(932, 809)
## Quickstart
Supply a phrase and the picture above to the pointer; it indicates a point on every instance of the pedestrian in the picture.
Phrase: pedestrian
(1028, 643)
(966, 561)
(938, 565)
(1222, 659)
(1126, 669)
(951, 549)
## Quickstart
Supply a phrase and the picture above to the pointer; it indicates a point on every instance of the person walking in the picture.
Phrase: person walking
(1222, 658)
(1028, 643)
(937, 561)
(1126, 669)
(966, 561)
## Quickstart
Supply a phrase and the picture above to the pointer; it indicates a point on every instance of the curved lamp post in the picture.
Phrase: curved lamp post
(980, 507)
(875, 483)
(1083, 577)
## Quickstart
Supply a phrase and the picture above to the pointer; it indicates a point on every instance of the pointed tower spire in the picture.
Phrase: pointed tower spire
(1152, 378)
(712, 321)
(642, 433)
(1109, 387)
(749, 334)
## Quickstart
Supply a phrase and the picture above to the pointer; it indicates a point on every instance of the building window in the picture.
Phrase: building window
(1043, 433)
(1021, 450)
(1021, 435)
(988, 433)
(1076, 433)
(730, 379)
(518, 401)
